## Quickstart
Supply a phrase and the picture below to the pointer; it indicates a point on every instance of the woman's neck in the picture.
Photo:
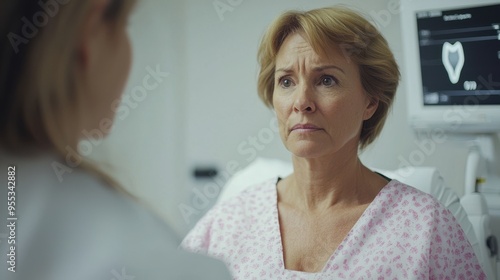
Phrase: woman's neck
(324, 183)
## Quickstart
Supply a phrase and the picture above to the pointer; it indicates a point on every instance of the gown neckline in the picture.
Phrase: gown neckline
(342, 244)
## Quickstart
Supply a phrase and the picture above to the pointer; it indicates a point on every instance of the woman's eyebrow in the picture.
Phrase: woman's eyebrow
(325, 67)
(284, 69)
(315, 69)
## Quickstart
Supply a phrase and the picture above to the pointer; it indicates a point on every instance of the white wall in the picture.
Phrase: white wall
(207, 112)
(145, 149)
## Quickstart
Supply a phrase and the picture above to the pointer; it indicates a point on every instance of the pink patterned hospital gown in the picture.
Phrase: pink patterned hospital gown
(403, 234)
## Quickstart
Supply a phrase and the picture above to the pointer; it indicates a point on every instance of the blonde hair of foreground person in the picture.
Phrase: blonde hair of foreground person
(53, 85)
(42, 98)
(360, 42)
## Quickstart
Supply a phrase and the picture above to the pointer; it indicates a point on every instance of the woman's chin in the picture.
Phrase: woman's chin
(311, 150)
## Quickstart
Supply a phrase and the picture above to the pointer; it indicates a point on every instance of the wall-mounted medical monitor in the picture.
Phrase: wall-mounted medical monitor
(452, 59)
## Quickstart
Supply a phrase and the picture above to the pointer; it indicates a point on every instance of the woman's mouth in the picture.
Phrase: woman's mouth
(306, 127)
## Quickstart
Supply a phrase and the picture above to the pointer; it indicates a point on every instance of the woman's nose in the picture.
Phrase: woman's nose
(304, 100)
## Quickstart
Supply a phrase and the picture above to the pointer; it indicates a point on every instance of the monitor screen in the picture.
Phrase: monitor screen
(460, 55)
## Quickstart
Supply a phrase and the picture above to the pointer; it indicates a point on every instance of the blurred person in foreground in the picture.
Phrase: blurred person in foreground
(63, 63)
(331, 78)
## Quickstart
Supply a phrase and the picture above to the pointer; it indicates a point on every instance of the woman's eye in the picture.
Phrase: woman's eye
(286, 82)
(328, 81)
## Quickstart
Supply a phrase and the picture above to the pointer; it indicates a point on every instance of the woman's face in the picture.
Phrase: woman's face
(109, 62)
(319, 101)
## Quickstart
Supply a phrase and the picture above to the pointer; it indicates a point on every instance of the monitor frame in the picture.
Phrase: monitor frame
(464, 118)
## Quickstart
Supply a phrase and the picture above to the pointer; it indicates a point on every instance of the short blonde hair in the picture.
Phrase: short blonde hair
(359, 40)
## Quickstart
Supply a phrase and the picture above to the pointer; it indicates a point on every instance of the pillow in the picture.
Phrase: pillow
(256, 172)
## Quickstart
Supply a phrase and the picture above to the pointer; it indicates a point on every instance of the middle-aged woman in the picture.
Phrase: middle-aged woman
(331, 79)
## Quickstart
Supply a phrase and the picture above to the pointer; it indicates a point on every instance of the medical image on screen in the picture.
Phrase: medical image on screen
(460, 55)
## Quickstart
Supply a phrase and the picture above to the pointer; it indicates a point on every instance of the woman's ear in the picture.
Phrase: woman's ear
(371, 108)
(88, 41)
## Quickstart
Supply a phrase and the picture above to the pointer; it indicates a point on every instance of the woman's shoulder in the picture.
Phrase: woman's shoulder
(232, 216)
(263, 190)
(401, 192)
(111, 232)
(401, 199)
(46, 193)
(260, 194)
(253, 197)
(418, 214)
(237, 193)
